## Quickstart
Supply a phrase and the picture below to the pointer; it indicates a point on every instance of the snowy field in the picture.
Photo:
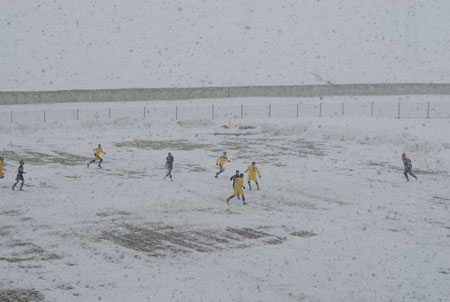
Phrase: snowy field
(334, 220)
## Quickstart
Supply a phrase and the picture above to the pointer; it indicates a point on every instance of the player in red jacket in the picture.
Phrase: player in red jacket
(408, 166)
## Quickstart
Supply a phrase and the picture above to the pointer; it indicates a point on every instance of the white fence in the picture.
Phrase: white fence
(388, 109)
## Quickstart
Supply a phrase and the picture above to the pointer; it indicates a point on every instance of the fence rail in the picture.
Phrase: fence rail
(398, 110)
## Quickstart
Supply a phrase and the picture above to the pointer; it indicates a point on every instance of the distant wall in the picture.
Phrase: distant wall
(117, 95)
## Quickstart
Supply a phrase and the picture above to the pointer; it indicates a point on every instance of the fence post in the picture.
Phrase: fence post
(11, 117)
(45, 118)
(176, 113)
(342, 108)
(398, 110)
(297, 110)
(144, 112)
(320, 110)
(371, 111)
(270, 110)
(428, 110)
(212, 111)
(78, 114)
(109, 113)
(242, 111)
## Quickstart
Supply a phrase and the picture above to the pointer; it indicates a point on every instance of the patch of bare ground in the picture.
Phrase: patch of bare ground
(10, 213)
(400, 168)
(194, 167)
(276, 147)
(26, 251)
(303, 234)
(4, 230)
(247, 127)
(113, 213)
(233, 134)
(128, 174)
(181, 145)
(39, 158)
(161, 240)
(20, 295)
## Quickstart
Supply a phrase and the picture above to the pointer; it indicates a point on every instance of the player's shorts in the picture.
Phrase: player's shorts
(252, 178)
(238, 191)
(221, 167)
(97, 158)
(19, 177)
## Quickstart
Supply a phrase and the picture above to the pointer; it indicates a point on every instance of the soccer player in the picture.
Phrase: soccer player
(252, 170)
(238, 189)
(169, 166)
(233, 178)
(97, 152)
(19, 176)
(408, 167)
(220, 162)
(2, 175)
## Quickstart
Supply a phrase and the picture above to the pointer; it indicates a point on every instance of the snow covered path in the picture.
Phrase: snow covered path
(335, 219)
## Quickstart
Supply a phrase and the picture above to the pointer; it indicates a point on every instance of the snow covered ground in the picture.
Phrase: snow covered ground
(334, 220)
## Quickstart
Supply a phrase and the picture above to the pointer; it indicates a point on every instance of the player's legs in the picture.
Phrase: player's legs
(229, 198)
(169, 173)
(100, 162)
(406, 174)
(17, 181)
(14, 186)
(412, 174)
(221, 169)
(249, 182)
(257, 185)
(92, 161)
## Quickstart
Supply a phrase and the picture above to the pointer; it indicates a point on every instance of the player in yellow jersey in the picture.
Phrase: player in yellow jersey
(252, 171)
(97, 152)
(2, 175)
(238, 189)
(220, 162)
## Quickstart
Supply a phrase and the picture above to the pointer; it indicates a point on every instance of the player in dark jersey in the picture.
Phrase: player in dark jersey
(19, 176)
(169, 166)
(233, 178)
(408, 167)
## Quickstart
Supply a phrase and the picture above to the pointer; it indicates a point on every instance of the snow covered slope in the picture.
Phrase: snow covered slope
(334, 220)
(92, 44)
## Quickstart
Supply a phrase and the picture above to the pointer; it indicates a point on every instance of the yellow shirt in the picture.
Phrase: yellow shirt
(252, 170)
(98, 151)
(1, 167)
(221, 160)
(239, 183)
